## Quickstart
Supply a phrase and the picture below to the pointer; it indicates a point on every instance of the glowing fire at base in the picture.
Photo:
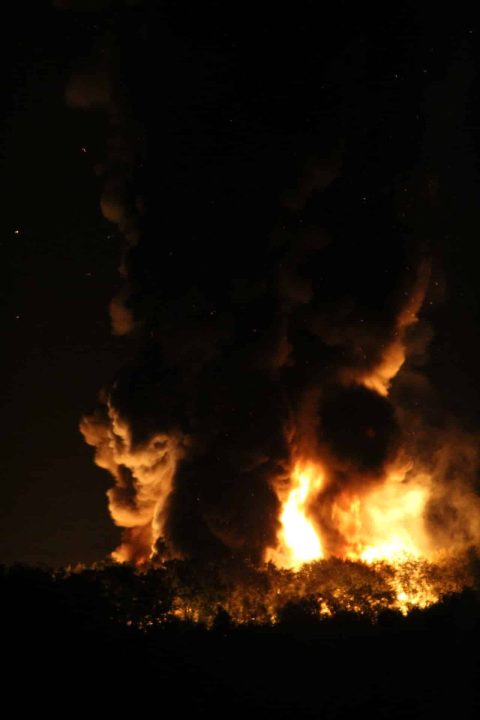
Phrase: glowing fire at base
(299, 539)
(299, 534)
(381, 527)
(384, 524)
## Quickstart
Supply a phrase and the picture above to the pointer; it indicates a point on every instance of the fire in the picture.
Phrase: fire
(381, 525)
(382, 528)
(299, 539)
(372, 519)
(387, 523)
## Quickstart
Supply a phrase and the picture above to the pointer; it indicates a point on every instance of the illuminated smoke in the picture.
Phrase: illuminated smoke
(143, 473)
(275, 296)
(394, 353)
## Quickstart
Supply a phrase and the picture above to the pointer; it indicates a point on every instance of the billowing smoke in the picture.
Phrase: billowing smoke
(277, 279)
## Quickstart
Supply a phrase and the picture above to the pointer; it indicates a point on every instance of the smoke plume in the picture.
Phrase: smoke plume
(278, 274)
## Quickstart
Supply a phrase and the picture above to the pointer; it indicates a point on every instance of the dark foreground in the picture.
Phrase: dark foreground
(65, 655)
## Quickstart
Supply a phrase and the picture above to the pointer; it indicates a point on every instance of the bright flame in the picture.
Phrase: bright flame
(298, 531)
(384, 524)
(299, 540)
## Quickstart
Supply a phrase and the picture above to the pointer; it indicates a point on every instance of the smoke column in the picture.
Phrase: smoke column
(272, 180)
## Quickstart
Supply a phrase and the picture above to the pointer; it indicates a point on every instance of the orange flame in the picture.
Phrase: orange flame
(299, 539)
(383, 524)
(386, 524)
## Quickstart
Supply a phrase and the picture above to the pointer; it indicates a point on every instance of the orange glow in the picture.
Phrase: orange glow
(386, 524)
(370, 520)
(395, 352)
(299, 540)
(383, 528)
(137, 500)
(383, 524)
(392, 360)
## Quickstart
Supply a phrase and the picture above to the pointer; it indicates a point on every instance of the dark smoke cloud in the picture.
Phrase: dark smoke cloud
(269, 265)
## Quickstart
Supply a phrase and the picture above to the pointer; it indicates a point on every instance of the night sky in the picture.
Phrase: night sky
(235, 108)
(59, 273)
